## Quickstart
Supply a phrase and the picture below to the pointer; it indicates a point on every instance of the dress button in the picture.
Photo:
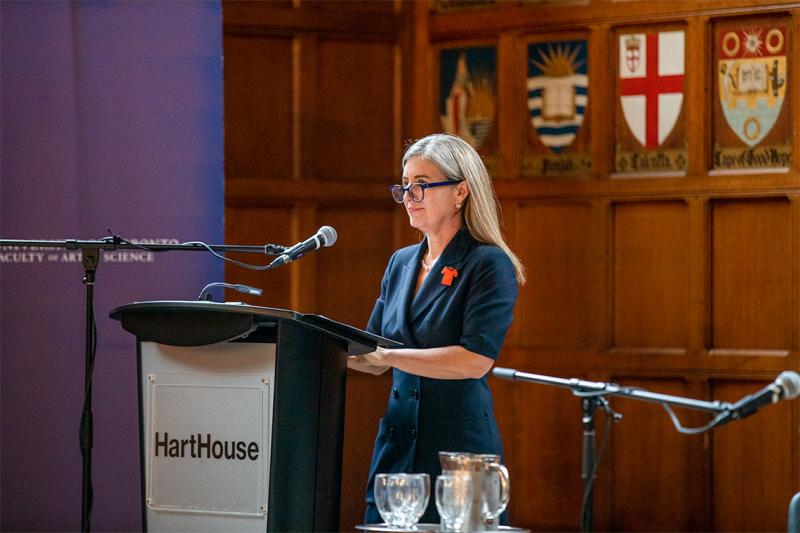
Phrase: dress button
(413, 433)
(415, 394)
(395, 393)
(391, 431)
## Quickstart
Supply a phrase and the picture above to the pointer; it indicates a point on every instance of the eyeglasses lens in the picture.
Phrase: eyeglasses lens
(415, 192)
(397, 193)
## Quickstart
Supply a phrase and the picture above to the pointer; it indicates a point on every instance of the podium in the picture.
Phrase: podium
(241, 413)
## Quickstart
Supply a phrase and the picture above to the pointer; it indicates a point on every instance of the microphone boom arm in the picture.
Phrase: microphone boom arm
(591, 388)
(114, 243)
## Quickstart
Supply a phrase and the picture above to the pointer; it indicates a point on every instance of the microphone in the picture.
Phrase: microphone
(785, 387)
(325, 236)
(246, 289)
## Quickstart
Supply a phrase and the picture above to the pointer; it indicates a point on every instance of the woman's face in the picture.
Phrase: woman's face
(437, 210)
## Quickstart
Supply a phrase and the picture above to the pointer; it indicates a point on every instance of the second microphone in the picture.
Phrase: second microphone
(325, 236)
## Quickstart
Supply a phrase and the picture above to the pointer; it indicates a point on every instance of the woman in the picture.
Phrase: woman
(449, 300)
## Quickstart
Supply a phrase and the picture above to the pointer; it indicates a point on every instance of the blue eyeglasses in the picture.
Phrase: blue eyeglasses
(416, 191)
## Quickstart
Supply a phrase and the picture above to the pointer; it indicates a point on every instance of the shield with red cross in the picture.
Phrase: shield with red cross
(651, 83)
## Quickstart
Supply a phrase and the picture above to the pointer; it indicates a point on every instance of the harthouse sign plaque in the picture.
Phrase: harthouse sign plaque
(207, 435)
(208, 443)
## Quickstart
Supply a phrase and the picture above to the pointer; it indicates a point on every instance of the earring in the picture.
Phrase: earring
(458, 205)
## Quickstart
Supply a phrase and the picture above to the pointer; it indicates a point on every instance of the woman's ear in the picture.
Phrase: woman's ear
(463, 191)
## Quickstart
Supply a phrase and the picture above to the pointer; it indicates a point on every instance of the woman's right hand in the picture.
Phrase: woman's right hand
(365, 363)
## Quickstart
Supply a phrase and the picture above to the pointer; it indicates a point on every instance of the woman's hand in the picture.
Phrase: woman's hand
(375, 363)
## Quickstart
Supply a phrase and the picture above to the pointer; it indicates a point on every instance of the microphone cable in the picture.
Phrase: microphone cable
(116, 239)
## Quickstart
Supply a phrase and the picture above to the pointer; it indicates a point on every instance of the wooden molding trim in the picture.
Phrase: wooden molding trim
(556, 17)
(241, 191)
(264, 18)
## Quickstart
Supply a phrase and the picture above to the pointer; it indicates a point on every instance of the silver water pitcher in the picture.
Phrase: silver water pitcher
(489, 487)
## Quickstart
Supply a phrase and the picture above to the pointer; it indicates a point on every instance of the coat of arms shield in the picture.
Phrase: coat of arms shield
(651, 72)
(752, 80)
(557, 91)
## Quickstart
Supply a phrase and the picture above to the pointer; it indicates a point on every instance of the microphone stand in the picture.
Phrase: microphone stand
(592, 396)
(90, 252)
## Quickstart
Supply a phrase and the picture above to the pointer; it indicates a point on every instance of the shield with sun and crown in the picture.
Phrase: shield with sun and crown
(751, 68)
(557, 91)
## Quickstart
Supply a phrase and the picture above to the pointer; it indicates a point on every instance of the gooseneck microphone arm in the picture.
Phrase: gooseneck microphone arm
(205, 294)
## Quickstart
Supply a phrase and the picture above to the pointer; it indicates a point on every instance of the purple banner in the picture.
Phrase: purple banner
(111, 118)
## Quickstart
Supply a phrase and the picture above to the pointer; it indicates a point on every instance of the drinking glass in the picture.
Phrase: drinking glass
(453, 500)
(382, 498)
(408, 496)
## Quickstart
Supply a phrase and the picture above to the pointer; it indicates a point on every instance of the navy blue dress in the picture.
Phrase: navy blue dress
(426, 415)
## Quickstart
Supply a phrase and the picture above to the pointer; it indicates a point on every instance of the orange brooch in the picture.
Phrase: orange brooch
(448, 273)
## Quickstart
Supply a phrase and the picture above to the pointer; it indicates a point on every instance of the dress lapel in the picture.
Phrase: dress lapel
(408, 281)
(432, 288)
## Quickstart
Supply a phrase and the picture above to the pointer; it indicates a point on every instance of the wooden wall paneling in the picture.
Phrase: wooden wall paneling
(305, 285)
(277, 18)
(521, 120)
(258, 106)
(555, 309)
(507, 395)
(402, 232)
(699, 279)
(258, 226)
(352, 82)
(420, 84)
(751, 265)
(509, 92)
(654, 474)
(364, 406)
(755, 472)
(348, 282)
(546, 477)
(398, 80)
(794, 79)
(305, 108)
(349, 278)
(698, 94)
(368, 6)
(602, 326)
(355, 86)
(509, 221)
(601, 100)
(556, 16)
(651, 277)
(699, 460)
(794, 358)
(506, 400)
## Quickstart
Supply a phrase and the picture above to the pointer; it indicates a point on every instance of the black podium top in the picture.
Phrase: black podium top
(197, 323)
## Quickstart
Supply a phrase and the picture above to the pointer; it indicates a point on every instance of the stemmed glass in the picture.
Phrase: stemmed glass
(408, 496)
(453, 500)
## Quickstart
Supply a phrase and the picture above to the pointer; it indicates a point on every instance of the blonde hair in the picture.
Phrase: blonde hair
(459, 161)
